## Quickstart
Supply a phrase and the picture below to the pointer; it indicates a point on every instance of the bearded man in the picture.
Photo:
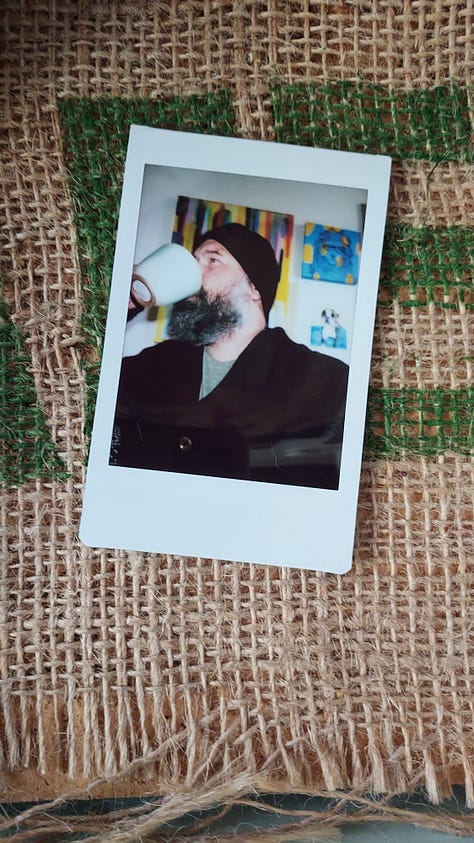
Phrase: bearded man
(226, 395)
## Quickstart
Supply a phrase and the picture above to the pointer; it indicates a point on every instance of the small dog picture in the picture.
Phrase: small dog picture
(330, 332)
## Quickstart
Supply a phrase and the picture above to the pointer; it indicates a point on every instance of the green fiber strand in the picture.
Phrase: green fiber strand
(431, 124)
(27, 451)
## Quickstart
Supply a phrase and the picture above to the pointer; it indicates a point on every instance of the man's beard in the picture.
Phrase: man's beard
(203, 319)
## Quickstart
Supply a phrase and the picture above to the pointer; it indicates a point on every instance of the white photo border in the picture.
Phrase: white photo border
(235, 520)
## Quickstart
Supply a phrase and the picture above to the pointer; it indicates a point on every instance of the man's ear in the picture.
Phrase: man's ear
(255, 295)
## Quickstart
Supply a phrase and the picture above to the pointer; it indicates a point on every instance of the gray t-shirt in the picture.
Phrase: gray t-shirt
(213, 371)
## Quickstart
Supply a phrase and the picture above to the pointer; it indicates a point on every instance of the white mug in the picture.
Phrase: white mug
(166, 276)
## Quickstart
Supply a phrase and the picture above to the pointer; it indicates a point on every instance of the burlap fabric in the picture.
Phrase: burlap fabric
(197, 678)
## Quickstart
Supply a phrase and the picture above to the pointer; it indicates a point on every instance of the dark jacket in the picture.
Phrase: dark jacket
(276, 416)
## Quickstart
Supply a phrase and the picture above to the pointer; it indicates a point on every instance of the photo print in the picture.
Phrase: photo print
(226, 377)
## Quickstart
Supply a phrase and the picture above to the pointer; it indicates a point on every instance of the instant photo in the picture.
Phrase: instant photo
(236, 362)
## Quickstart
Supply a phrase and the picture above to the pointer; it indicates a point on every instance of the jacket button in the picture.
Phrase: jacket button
(185, 443)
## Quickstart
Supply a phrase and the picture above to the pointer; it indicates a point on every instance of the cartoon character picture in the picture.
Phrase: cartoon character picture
(330, 333)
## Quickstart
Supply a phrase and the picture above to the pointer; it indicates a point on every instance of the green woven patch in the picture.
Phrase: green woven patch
(27, 451)
(434, 124)
(415, 421)
(95, 136)
(423, 266)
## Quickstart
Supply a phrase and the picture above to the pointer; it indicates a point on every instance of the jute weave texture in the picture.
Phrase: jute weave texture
(195, 676)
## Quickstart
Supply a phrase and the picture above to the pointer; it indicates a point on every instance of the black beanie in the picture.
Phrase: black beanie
(254, 254)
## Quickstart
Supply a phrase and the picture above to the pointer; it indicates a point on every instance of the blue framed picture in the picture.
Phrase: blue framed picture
(331, 254)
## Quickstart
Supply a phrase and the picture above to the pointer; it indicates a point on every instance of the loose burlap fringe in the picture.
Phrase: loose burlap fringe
(191, 679)
(169, 817)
